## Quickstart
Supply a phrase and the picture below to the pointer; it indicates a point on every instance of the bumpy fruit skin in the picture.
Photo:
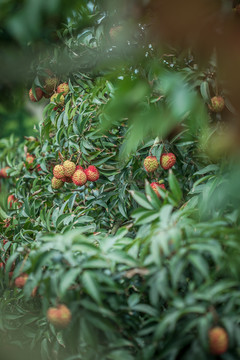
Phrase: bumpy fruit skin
(217, 104)
(57, 99)
(39, 94)
(167, 160)
(155, 186)
(69, 168)
(20, 281)
(59, 316)
(67, 179)
(57, 183)
(218, 340)
(30, 158)
(50, 84)
(58, 171)
(63, 89)
(150, 163)
(3, 172)
(92, 173)
(79, 167)
(79, 178)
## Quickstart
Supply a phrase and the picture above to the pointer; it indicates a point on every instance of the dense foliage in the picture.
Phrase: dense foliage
(145, 274)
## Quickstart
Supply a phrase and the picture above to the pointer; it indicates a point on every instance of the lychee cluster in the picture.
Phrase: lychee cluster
(51, 89)
(150, 163)
(69, 172)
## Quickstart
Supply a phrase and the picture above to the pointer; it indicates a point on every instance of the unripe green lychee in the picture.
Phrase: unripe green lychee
(92, 173)
(57, 183)
(63, 89)
(59, 316)
(79, 178)
(155, 185)
(58, 171)
(69, 168)
(50, 84)
(218, 340)
(167, 160)
(21, 280)
(57, 99)
(39, 94)
(150, 163)
(217, 104)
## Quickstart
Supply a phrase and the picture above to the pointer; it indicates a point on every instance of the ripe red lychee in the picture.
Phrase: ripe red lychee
(57, 183)
(21, 280)
(50, 84)
(58, 171)
(59, 316)
(150, 163)
(79, 167)
(167, 160)
(3, 172)
(67, 179)
(39, 94)
(217, 104)
(155, 186)
(69, 168)
(30, 158)
(63, 89)
(57, 99)
(218, 340)
(79, 178)
(92, 173)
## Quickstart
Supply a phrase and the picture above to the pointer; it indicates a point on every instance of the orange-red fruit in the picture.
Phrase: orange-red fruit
(21, 280)
(59, 316)
(58, 171)
(155, 186)
(217, 104)
(150, 163)
(11, 199)
(167, 160)
(92, 173)
(3, 172)
(67, 179)
(218, 340)
(63, 89)
(39, 94)
(57, 183)
(30, 158)
(79, 167)
(79, 178)
(69, 168)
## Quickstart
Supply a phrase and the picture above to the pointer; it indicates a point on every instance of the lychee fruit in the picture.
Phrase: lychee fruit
(58, 171)
(63, 89)
(155, 186)
(57, 183)
(217, 104)
(79, 178)
(30, 158)
(21, 280)
(69, 168)
(167, 160)
(57, 99)
(59, 316)
(150, 163)
(50, 84)
(79, 167)
(67, 179)
(39, 94)
(218, 340)
(3, 172)
(92, 173)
